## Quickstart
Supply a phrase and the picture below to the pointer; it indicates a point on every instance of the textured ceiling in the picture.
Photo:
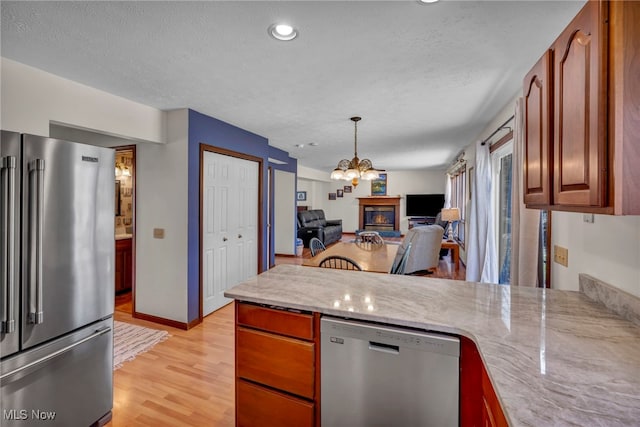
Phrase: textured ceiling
(426, 78)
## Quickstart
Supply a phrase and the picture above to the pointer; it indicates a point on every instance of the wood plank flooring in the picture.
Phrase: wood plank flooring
(188, 380)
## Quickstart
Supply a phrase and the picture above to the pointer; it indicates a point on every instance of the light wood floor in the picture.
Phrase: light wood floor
(188, 380)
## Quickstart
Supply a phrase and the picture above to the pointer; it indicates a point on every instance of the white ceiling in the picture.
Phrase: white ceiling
(426, 78)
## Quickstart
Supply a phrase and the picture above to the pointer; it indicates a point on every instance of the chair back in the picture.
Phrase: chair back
(372, 237)
(339, 262)
(425, 250)
(399, 265)
(316, 246)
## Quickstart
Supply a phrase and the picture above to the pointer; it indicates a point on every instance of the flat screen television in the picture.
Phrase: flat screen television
(424, 204)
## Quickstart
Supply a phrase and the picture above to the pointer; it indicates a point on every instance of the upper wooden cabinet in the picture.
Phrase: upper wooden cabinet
(581, 115)
(580, 67)
(538, 132)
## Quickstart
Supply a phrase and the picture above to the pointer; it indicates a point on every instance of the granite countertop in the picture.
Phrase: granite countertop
(554, 357)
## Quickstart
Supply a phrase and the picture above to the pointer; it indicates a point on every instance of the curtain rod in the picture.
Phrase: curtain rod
(497, 130)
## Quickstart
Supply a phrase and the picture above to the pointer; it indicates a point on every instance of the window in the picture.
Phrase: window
(501, 165)
(458, 200)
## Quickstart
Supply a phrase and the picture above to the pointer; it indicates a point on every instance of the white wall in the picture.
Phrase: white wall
(32, 98)
(399, 183)
(608, 249)
(284, 213)
(161, 264)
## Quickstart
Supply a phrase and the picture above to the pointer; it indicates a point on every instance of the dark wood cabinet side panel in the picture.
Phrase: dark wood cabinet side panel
(470, 384)
(279, 362)
(624, 111)
(491, 401)
(278, 321)
(267, 408)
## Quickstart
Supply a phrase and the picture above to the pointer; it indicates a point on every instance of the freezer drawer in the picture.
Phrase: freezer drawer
(375, 375)
(68, 382)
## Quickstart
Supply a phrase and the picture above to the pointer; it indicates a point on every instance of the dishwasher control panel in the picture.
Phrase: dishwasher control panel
(338, 329)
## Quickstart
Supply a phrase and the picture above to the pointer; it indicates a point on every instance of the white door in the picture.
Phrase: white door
(229, 229)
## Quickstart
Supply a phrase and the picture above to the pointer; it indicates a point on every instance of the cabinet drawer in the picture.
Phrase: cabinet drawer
(270, 408)
(280, 362)
(278, 321)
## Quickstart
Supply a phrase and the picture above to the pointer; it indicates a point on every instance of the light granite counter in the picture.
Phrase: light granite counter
(554, 357)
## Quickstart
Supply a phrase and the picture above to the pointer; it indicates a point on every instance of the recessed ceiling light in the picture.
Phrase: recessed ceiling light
(300, 145)
(283, 32)
(427, 1)
(313, 144)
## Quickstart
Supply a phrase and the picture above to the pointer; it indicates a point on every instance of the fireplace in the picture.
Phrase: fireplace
(380, 213)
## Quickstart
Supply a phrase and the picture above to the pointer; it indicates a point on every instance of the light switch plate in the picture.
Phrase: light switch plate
(158, 233)
(561, 255)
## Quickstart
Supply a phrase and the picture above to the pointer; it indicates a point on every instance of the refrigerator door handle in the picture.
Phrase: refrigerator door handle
(50, 356)
(8, 231)
(36, 210)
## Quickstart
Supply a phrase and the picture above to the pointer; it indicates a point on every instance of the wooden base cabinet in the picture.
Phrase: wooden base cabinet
(277, 367)
(581, 125)
(124, 264)
(479, 404)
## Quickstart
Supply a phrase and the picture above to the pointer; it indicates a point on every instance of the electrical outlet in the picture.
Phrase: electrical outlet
(561, 255)
(589, 218)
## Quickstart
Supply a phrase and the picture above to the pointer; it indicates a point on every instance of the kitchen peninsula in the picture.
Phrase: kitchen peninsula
(553, 357)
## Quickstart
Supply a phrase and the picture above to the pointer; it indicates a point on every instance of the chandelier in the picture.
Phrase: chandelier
(355, 169)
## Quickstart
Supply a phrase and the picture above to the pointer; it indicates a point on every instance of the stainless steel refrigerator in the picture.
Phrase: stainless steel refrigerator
(57, 288)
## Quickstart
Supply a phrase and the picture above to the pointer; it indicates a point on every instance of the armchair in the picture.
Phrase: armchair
(425, 243)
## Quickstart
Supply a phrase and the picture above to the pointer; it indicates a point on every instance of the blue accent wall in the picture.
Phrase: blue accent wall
(207, 130)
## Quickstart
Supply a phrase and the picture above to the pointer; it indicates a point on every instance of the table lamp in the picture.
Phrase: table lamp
(450, 215)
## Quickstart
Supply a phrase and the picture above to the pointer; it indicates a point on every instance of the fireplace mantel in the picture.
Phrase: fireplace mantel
(380, 201)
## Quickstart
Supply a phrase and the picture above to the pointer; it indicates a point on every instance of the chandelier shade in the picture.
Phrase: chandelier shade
(355, 169)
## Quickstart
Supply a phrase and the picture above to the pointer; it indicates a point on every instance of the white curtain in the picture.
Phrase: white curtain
(525, 223)
(447, 191)
(482, 257)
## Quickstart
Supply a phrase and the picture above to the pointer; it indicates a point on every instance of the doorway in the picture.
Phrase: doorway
(230, 223)
(125, 174)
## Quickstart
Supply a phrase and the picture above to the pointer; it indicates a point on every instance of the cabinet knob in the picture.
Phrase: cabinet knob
(239, 236)
(224, 239)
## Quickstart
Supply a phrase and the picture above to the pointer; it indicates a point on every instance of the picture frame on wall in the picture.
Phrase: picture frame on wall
(301, 196)
(332, 196)
(379, 185)
(347, 189)
(339, 192)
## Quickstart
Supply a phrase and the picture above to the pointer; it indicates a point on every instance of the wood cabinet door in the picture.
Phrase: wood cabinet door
(580, 175)
(538, 133)
(279, 362)
(265, 407)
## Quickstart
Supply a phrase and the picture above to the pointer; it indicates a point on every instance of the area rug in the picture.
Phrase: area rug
(131, 340)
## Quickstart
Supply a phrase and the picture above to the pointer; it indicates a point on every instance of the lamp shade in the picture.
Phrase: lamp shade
(451, 214)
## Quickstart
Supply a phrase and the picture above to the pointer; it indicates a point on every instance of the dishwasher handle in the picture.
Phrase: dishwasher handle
(384, 348)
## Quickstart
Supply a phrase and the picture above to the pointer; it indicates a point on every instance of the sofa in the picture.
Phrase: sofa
(312, 223)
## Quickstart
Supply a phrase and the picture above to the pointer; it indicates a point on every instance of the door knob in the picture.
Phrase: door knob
(224, 239)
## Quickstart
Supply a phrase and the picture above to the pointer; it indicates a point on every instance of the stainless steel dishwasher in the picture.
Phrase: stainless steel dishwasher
(384, 376)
